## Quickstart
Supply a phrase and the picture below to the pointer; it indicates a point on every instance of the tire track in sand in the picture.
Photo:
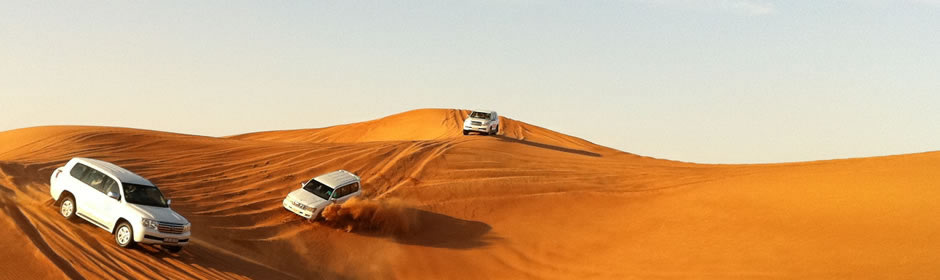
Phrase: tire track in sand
(8, 204)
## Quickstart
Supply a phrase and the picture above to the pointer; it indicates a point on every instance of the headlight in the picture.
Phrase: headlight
(187, 227)
(148, 223)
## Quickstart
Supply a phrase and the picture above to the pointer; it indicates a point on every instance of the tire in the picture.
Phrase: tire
(67, 207)
(465, 132)
(173, 249)
(497, 130)
(318, 216)
(124, 235)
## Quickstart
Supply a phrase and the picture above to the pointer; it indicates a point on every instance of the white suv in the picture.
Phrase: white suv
(119, 201)
(482, 121)
(314, 195)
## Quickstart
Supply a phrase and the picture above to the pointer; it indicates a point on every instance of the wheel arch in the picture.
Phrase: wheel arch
(64, 194)
(118, 222)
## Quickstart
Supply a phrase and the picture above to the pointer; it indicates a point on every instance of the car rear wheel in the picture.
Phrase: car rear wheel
(67, 207)
(124, 235)
(465, 132)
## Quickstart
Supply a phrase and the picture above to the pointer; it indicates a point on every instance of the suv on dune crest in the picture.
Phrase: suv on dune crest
(130, 207)
(335, 187)
(482, 121)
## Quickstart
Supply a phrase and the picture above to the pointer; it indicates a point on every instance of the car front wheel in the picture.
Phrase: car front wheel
(67, 207)
(124, 235)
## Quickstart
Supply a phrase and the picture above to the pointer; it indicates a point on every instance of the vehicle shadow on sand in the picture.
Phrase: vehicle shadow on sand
(546, 146)
(438, 231)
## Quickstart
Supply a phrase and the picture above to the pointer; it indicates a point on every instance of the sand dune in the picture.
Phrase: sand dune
(528, 203)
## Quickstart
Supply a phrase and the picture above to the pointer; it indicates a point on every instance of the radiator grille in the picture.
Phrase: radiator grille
(165, 227)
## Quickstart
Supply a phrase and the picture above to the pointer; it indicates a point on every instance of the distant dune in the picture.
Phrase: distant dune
(528, 203)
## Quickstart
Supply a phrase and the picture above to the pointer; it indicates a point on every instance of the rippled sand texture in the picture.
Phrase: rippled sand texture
(528, 203)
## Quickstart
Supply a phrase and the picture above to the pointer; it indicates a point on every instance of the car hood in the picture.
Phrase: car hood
(307, 198)
(158, 213)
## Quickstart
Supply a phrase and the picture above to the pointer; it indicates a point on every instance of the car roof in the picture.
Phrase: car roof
(115, 171)
(484, 111)
(337, 178)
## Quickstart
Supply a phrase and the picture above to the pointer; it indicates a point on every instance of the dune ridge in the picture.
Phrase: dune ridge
(528, 203)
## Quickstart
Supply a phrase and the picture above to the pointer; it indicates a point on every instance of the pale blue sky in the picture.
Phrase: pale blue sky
(729, 81)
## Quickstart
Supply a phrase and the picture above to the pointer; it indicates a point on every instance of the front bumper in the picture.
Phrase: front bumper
(151, 236)
(476, 128)
(308, 214)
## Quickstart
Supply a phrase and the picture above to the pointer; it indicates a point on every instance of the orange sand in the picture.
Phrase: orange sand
(529, 203)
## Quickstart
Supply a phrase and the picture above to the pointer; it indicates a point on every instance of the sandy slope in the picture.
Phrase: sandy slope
(529, 203)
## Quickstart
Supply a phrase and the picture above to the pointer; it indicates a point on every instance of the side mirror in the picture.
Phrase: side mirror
(114, 195)
(168, 202)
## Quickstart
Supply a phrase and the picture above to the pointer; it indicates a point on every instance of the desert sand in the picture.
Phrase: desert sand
(528, 203)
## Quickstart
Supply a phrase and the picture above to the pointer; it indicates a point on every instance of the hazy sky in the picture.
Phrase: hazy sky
(705, 81)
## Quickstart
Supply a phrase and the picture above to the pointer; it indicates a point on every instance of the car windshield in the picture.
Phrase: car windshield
(480, 115)
(144, 195)
(318, 189)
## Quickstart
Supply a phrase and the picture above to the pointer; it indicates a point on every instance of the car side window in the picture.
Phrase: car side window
(110, 185)
(78, 171)
(347, 190)
(343, 191)
(334, 193)
(354, 187)
(94, 179)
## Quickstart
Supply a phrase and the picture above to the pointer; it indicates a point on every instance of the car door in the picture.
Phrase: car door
(107, 207)
(79, 189)
(95, 181)
(346, 192)
(338, 195)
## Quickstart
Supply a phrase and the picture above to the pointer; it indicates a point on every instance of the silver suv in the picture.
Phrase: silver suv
(125, 204)
(482, 121)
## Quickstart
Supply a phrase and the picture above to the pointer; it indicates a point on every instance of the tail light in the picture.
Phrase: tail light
(57, 172)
